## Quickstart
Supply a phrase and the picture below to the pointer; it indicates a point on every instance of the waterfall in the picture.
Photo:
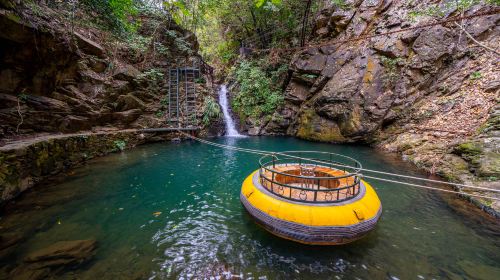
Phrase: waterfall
(230, 128)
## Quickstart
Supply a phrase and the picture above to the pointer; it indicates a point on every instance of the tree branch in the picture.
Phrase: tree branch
(20, 115)
(476, 41)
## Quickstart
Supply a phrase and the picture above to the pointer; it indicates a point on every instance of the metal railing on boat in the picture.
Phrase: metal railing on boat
(302, 178)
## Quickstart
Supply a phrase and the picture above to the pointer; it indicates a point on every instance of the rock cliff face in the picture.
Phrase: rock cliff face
(430, 94)
(56, 77)
(70, 92)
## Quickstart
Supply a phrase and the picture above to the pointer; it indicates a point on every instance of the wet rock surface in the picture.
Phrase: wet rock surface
(49, 261)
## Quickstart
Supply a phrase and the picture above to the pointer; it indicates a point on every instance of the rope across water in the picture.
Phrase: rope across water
(276, 154)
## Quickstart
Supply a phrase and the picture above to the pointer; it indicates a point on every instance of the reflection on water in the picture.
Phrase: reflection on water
(171, 211)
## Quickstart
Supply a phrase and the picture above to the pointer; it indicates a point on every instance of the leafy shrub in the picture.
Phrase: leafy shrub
(120, 145)
(391, 69)
(164, 101)
(183, 46)
(152, 74)
(211, 110)
(179, 42)
(341, 4)
(200, 80)
(257, 95)
(138, 43)
(310, 76)
(115, 13)
(161, 49)
(159, 113)
(476, 75)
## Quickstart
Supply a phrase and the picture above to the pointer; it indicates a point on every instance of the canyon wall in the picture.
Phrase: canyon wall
(430, 93)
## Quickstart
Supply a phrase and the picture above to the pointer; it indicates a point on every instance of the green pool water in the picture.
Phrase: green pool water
(204, 232)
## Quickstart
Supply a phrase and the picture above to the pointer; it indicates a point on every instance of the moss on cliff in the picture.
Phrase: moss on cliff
(313, 127)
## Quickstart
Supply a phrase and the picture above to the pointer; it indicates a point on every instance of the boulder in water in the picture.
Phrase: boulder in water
(53, 259)
(63, 253)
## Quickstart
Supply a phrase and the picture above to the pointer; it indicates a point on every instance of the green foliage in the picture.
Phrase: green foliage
(120, 145)
(267, 3)
(179, 42)
(151, 78)
(22, 97)
(341, 4)
(164, 101)
(200, 80)
(476, 75)
(391, 69)
(161, 49)
(492, 178)
(211, 110)
(138, 43)
(309, 76)
(222, 26)
(258, 94)
(122, 9)
(183, 46)
(227, 51)
(35, 8)
(159, 113)
(152, 74)
(115, 13)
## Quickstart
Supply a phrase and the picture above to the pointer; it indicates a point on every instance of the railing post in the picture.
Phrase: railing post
(274, 161)
(272, 183)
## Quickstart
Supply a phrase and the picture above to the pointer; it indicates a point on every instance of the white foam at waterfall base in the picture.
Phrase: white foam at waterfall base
(230, 127)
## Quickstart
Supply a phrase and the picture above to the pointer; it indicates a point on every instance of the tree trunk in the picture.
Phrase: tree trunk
(305, 21)
(257, 28)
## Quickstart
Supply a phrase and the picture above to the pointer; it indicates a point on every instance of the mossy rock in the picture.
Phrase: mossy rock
(453, 168)
(313, 127)
(468, 149)
(405, 142)
(489, 165)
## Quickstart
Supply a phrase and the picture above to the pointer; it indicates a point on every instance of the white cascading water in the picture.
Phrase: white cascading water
(230, 128)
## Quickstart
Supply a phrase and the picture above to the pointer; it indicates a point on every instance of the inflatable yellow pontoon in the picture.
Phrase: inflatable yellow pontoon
(312, 200)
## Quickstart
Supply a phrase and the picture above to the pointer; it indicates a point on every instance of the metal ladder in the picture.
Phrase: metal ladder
(182, 107)
(173, 97)
(190, 96)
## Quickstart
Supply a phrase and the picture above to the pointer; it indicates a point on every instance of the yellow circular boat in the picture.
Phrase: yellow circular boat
(311, 201)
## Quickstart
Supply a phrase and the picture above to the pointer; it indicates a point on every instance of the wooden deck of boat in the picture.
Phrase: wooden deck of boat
(324, 184)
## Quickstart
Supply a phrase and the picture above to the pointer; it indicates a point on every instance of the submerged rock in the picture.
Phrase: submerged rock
(53, 259)
(8, 243)
(63, 253)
